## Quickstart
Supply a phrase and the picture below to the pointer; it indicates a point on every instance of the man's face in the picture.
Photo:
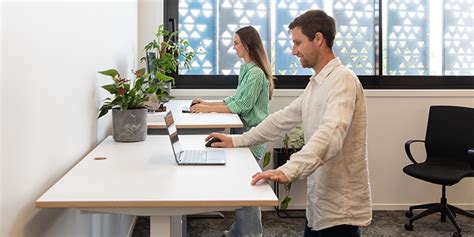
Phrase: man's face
(304, 49)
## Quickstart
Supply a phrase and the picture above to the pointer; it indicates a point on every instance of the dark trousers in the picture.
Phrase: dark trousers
(335, 231)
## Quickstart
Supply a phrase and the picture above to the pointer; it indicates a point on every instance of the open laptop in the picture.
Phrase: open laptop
(191, 157)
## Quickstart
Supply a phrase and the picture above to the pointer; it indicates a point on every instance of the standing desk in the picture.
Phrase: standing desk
(143, 179)
(192, 123)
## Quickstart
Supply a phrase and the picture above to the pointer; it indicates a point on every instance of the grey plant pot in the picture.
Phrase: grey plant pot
(129, 125)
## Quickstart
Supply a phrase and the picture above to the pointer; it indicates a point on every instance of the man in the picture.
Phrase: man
(332, 111)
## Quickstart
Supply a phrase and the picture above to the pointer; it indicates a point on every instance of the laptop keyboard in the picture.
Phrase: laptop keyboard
(194, 156)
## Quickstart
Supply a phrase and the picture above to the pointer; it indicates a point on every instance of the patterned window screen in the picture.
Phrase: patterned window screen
(415, 40)
(408, 42)
(233, 16)
(458, 37)
(284, 62)
(354, 43)
(197, 24)
(209, 26)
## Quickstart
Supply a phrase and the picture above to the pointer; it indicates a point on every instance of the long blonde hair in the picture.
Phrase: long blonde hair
(251, 40)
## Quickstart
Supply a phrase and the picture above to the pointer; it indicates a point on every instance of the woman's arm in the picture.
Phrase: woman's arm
(201, 101)
(218, 107)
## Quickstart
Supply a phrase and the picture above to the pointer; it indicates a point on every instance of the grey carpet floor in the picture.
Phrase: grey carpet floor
(384, 223)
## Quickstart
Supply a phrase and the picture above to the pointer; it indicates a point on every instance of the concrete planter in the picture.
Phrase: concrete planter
(129, 125)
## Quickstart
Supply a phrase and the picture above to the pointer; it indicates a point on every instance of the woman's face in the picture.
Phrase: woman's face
(239, 47)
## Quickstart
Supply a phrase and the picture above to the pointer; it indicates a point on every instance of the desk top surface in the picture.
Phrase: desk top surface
(145, 174)
(194, 120)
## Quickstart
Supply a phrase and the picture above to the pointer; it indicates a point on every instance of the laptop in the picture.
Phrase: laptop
(190, 157)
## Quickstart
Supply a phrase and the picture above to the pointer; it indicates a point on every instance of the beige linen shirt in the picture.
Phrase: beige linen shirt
(332, 111)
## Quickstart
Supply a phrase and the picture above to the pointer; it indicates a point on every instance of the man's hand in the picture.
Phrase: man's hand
(273, 175)
(226, 141)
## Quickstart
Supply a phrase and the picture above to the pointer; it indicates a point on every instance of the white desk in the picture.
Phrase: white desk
(143, 179)
(193, 120)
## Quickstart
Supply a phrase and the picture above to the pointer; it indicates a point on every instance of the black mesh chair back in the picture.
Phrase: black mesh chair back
(449, 144)
(449, 135)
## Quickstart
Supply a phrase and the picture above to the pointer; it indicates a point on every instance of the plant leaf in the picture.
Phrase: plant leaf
(104, 110)
(110, 72)
(288, 187)
(140, 72)
(266, 159)
(285, 202)
(110, 88)
(163, 77)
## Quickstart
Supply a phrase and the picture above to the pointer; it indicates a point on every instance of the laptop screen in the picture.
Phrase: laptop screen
(173, 133)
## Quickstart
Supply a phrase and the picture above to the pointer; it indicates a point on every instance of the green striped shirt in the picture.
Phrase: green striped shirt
(251, 100)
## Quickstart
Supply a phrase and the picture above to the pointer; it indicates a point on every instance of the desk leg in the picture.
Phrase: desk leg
(160, 226)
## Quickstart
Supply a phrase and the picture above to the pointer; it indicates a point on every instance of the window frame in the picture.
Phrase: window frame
(170, 19)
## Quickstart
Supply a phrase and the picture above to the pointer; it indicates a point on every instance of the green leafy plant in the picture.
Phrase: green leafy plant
(125, 94)
(292, 142)
(169, 52)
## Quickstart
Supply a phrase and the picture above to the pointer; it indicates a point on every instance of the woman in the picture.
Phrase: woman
(250, 102)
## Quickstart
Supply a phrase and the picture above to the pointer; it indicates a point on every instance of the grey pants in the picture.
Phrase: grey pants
(248, 220)
(247, 223)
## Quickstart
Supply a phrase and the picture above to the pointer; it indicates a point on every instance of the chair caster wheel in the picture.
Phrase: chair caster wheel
(408, 226)
(408, 214)
(457, 234)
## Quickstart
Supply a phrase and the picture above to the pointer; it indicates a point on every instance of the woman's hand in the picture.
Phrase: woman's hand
(197, 101)
(200, 108)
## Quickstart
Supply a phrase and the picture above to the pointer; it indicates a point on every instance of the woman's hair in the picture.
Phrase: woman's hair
(251, 40)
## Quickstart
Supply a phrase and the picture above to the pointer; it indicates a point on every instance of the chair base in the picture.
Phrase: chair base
(443, 207)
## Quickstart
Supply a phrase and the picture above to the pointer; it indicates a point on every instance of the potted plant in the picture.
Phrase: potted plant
(163, 55)
(292, 142)
(129, 115)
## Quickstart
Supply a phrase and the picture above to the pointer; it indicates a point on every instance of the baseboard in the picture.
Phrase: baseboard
(380, 206)
(132, 226)
(394, 207)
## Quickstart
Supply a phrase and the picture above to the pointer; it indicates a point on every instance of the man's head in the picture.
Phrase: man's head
(313, 35)
(314, 21)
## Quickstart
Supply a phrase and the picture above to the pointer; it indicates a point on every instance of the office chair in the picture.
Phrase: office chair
(449, 145)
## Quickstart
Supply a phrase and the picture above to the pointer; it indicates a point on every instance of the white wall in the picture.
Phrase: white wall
(1, 116)
(150, 17)
(394, 116)
(52, 51)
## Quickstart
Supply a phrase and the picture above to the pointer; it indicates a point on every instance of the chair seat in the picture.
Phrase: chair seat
(438, 173)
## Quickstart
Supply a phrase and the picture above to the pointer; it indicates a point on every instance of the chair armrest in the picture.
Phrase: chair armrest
(470, 157)
(407, 149)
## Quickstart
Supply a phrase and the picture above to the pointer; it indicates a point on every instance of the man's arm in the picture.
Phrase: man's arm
(273, 127)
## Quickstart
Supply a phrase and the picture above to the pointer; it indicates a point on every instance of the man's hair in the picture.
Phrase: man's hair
(314, 21)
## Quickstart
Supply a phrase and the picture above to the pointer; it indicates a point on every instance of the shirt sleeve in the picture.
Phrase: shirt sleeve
(328, 138)
(273, 127)
(245, 99)
(228, 99)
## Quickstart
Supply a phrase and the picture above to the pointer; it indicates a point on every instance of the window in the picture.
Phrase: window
(419, 49)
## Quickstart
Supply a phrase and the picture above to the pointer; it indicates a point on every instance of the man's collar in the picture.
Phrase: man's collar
(327, 69)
